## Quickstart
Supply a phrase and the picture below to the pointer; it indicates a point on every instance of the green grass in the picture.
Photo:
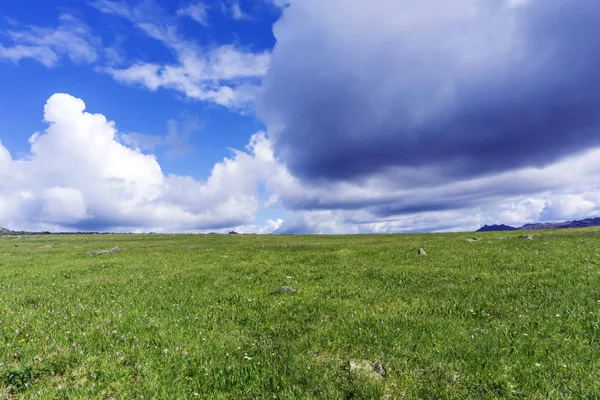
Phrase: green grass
(498, 318)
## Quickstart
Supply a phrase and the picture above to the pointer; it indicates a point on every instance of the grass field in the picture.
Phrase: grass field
(190, 316)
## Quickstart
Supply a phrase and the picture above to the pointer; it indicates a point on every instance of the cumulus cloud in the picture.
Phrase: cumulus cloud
(476, 87)
(71, 39)
(102, 184)
(226, 75)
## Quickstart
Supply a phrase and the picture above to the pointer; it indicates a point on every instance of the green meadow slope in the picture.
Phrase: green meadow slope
(191, 316)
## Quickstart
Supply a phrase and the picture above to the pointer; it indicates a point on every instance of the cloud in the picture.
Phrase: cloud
(234, 10)
(391, 118)
(178, 137)
(141, 141)
(570, 206)
(176, 140)
(102, 184)
(473, 89)
(197, 11)
(383, 203)
(71, 39)
(225, 75)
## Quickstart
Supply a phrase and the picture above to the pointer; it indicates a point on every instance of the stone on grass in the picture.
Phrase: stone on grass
(99, 252)
(283, 289)
(377, 367)
(526, 237)
(422, 252)
(366, 369)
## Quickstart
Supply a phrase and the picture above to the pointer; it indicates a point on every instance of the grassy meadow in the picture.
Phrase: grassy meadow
(190, 316)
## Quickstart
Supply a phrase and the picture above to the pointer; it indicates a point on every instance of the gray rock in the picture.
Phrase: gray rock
(377, 367)
(99, 252)
(366, 369)
(422, 252)
(476, 239)
(526, 237)
(283, 289)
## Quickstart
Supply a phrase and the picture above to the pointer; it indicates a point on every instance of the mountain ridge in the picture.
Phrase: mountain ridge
(581, 223)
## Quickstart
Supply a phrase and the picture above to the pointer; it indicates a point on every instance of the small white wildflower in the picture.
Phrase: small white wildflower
(165, 351)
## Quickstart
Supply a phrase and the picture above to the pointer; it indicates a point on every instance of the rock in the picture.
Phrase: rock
(48, 246)
(99, 252)
(366, 369)
(476, 239)
(526, 237)
(283, 289)
(422, 252)
(377, 367)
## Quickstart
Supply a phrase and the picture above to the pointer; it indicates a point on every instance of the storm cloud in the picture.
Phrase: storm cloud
(460, 89)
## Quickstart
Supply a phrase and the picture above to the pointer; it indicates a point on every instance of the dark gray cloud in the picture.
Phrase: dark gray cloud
(477, 88)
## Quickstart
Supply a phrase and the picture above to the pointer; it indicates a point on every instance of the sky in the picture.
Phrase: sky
(297, 116)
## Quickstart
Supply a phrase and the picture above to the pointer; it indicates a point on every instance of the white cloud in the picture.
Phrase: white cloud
(234, 10)
(226, 75)
(198, 12)
(220, 75)
(141, 141)
(72, 39)
(570, 206)
(102, 184)
(176, 140)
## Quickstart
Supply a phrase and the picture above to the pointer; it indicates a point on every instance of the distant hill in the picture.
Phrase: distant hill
(491, 228)
(583, 223)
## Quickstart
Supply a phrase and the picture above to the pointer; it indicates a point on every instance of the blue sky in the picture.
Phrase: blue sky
(297, 116)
